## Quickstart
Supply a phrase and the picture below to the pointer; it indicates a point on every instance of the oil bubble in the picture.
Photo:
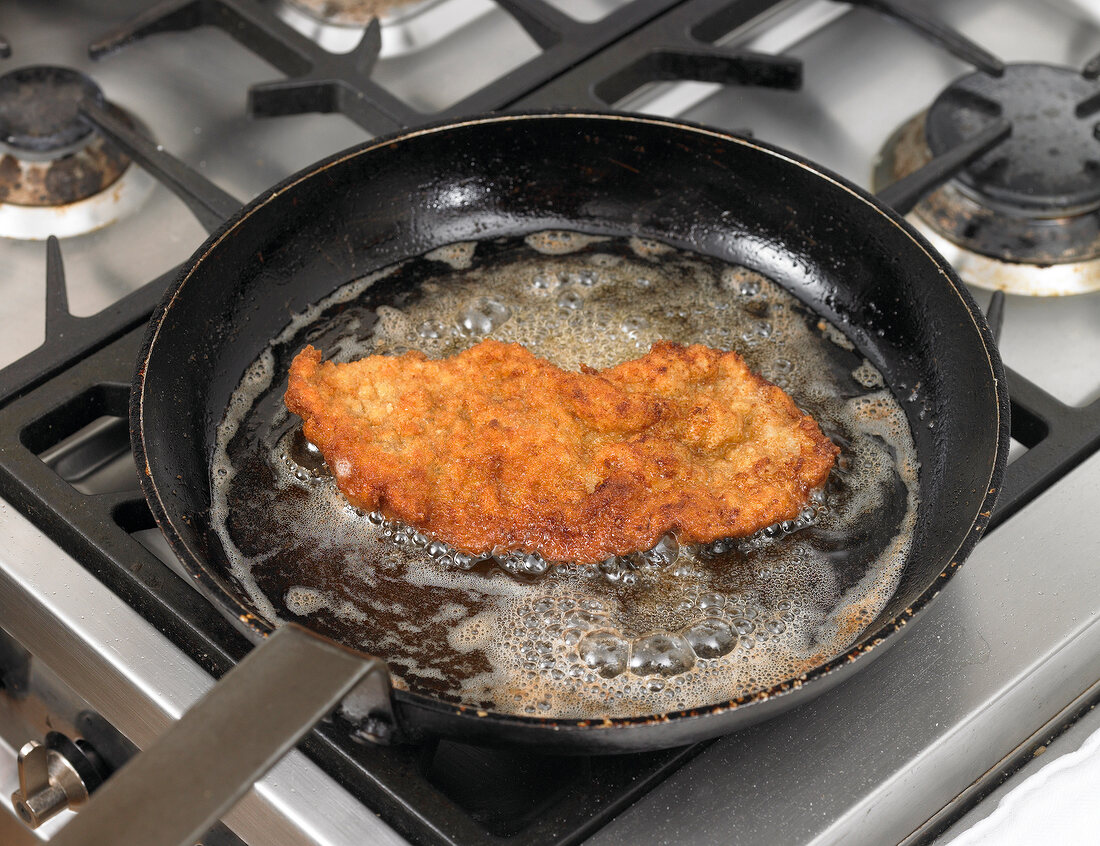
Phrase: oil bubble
(523, 563)
(711, 638)
(482, 316)
(584, 620)
(664, 552)
(570, 300)
(463, 561)
(605, 652)
(307, 461)
(661, 654)
(615, 568)
(431, 329)
(712, 600)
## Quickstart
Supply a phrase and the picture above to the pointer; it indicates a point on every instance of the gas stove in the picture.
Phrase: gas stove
(167, 117)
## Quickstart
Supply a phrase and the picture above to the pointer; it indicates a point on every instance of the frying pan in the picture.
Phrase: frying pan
(847, 258)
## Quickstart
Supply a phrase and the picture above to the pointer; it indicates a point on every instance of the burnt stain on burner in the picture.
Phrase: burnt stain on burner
(55, 157)
(350, 12)
(962, 220)
(64, 180)
(71, 179)
(10, 176)
(955, 213)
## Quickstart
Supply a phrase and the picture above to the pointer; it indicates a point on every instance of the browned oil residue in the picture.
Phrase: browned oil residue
(667, 629)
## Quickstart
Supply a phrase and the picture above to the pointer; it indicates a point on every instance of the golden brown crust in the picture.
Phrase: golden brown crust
(497, 448)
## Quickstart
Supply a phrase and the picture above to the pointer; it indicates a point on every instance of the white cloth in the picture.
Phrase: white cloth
(1058, 804)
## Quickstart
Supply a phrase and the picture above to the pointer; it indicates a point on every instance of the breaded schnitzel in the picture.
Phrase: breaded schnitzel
(497, 448)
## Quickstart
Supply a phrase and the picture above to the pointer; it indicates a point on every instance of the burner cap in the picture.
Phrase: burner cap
(1050, 166)
(39, 108)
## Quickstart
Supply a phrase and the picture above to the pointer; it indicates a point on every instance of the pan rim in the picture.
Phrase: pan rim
(257, 628)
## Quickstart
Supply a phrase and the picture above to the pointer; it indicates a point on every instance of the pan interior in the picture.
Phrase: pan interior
(669, 629)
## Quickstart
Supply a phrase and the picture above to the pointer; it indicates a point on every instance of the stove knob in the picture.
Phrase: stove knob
(54, 776)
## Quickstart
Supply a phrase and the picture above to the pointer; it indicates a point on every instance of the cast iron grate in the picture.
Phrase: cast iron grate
(685, 44)
(680, 46)
(320, 81)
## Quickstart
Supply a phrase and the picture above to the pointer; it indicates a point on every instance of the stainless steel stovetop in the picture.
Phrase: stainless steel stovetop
(1006, 655)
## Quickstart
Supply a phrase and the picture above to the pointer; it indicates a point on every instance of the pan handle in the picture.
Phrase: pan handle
(176, 789)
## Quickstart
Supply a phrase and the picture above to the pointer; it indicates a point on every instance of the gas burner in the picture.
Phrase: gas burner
(353, 12)
(1025, 217)
(39, 108)
(406, 25)
(57, 175)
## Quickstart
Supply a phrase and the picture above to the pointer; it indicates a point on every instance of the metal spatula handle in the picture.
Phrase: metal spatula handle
(176, 789)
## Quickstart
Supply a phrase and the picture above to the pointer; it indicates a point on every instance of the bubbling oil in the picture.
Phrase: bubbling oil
(674, 627)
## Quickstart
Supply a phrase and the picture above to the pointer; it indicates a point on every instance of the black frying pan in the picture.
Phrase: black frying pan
(843, 255)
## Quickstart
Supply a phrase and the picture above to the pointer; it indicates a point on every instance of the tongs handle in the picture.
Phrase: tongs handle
(172, 792)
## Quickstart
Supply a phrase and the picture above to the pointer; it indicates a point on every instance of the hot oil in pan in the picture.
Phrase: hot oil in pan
(669, 629)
